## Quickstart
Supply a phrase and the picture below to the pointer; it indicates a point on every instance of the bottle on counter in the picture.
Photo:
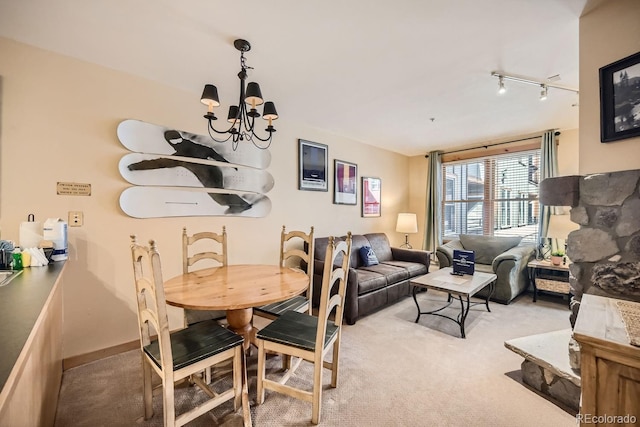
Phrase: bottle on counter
(17, 259)
(26, 258)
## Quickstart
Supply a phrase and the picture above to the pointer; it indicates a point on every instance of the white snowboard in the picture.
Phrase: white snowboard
(158, 202)
(143, 137)
(153, 169)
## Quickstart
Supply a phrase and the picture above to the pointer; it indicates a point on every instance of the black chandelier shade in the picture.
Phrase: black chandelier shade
(241, 116)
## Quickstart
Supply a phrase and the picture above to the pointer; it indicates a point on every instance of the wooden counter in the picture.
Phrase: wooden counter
(31, 355)
(609, 365)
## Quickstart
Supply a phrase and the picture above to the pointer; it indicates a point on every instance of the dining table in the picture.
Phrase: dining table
(235, 289)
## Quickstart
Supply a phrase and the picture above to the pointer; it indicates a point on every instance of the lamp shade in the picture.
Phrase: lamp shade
(407, 223)
(233, 114)
(560, 226)
(210, 96)
(254, 95)
(269, 111)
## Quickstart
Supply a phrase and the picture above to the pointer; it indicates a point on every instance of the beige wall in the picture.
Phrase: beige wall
(609, 32)
(59, 119)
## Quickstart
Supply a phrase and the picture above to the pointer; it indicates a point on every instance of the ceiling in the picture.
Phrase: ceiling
(410, 76)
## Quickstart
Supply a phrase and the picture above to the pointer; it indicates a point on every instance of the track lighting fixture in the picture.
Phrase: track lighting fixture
(501, 88)
(544, 85)
(543, 93)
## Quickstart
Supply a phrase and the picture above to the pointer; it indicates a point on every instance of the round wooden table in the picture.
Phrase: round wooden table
(236, 289)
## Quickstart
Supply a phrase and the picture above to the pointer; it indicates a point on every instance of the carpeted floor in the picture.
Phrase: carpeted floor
(393, 372)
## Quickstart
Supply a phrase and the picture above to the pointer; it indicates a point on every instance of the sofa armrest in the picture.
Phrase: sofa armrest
(412, 255)
(519, 254)
(445, 253)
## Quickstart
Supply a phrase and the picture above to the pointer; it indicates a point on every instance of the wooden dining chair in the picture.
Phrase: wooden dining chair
(309, 338)
(182, 354)
(189, 259)
(288, 251)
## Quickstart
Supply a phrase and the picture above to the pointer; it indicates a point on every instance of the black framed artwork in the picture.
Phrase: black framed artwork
(371, 196)
(345, 183)
(620, 99)
(313, 166)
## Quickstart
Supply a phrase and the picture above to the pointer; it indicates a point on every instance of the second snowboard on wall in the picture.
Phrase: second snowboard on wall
(156, 170)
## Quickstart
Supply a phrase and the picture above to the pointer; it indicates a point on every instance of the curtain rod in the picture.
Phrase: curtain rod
(491, 145)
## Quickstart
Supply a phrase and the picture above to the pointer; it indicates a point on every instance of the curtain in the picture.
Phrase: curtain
(548, 169)
(433, 217)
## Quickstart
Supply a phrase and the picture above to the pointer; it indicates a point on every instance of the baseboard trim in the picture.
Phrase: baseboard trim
(82, 359)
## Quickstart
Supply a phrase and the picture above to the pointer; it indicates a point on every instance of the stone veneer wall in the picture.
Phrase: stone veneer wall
(605, 251)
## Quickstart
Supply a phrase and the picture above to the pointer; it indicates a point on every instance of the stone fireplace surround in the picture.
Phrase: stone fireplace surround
(605, 251)
(605, 255)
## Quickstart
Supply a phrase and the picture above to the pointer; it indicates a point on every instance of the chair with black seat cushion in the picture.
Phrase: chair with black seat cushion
(308, 337)
(188, 260)
(179, 355)
(304, 255)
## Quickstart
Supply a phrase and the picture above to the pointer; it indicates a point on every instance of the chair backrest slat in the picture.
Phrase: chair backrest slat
(187, 241)
(330, 277)
(288, 251)
(151, 304)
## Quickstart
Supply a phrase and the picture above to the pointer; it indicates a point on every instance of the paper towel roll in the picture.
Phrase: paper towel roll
(30, 234)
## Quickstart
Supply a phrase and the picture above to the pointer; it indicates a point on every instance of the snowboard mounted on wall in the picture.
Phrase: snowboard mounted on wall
(142, 137)
(215, 180)
(156, 170)
(160, 202)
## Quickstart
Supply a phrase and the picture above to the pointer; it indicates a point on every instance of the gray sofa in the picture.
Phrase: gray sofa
(374, 286)
(503, 256)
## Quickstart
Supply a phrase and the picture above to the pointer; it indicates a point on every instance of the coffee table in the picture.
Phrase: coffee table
(463, 287)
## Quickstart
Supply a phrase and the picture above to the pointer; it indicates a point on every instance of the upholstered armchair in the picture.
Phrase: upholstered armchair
(503, 256)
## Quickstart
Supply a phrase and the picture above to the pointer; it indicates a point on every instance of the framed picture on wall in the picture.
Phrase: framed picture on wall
(313, 166)
(620, 99)
(371, 196)
(345, 183)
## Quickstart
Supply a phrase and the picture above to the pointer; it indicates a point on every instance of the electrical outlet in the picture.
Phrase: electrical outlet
(76, 219)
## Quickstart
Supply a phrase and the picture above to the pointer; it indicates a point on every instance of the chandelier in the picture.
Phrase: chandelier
(242, 116)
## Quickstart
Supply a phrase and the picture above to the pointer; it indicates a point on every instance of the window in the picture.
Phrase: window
(496, 196)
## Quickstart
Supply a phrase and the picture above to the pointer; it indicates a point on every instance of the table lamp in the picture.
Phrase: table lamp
(560, 226)
(407, 223)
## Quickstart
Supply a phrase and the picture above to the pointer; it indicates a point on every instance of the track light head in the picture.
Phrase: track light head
(543, 92)
(501, 88)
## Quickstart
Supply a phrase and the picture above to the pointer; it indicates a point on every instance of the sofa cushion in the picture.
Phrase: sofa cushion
(393, 274)
(368, 256)
(369, 281)
(413, 268)
(380, 245)
(357, 241)
(486, 248)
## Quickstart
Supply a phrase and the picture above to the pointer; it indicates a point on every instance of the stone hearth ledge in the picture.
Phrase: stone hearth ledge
(546, 367)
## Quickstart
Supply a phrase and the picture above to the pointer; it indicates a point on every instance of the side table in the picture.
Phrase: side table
(545, 276)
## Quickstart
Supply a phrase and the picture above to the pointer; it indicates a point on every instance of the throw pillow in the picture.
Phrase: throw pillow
(368, 256)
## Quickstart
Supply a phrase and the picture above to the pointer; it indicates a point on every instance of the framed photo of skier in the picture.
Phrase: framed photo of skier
(345, 183)
(371, 196)
(620, 99)
(313, 166)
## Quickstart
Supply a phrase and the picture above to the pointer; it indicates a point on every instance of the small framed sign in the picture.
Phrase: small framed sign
(620, 99)
(371, 196)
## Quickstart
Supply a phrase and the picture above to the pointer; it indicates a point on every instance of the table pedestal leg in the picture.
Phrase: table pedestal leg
(240, 322)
